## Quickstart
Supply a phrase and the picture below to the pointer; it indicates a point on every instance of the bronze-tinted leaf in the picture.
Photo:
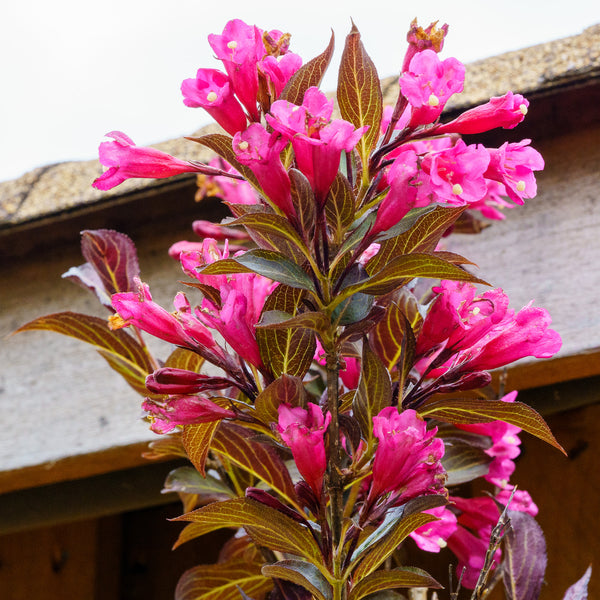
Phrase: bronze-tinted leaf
(359, 92)
(340, 208)
(113, 256)
(393, 340)
(422, 237)
(122, 352)
(285, 389)
(272, 224)
(196, 441)
(222, 145)
(397, 525)
(404, 268)
(181, 358)
(188, 480)
(472, 410)
(304, 202)
(236, 445)
(374, 391)
(166, 446)
(301, 573)
(223, 582)
(287, 350)
(403, 577)
(266, 525)
(308, 75)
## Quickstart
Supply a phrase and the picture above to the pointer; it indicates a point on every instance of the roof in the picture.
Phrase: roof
(59, 188)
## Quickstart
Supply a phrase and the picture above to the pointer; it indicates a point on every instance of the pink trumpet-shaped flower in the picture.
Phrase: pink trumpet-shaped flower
(125, 161)
(183, 410)
(170, 380)
(513, 165)
(211, 90)
(303, 430)
(419, 39)
(242, 299)
(240, 47)
(407, 459)
(260, 150)
(138, 309)
(433, 536)
(429, 83)
(317, 140)
(502, 111)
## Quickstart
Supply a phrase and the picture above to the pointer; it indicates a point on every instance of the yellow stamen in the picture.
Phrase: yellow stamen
(232, 45)
(116, 322)
(243, 145)
(476, 310)
(520, 186)
(212, 96)
(523, 109)
(433, 100)
(442, 543)
(457, 189)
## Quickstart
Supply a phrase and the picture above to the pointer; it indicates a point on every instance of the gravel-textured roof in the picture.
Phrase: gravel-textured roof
(61, 187)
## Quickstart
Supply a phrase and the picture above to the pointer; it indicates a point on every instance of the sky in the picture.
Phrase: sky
(73, 71)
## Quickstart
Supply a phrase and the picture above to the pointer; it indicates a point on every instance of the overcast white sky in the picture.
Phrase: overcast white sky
(72, 71)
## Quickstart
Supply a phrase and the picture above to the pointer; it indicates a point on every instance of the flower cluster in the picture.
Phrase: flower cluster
(308, 384)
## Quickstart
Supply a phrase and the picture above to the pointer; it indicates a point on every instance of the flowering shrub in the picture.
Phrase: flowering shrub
(336, 421)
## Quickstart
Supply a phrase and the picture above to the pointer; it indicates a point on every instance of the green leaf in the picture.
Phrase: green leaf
(422, 237)
(340, 207)
(285, 389)
(225, 266)
(223, 146)
(266, 525)
(234, 443)
(222, 582)
(473, 410)
(464, 463)
(403, 269)
(403, 577)
(285, 349)
(187, 480)
(304, 202)
(374, 391)
(276, 267)
(196, 441)
(303, 574)
(122, 352)
(357, 306)
(397, 525)
(308, 75)
(359, 92)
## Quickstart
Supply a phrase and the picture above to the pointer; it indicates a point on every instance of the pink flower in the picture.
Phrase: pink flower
(242, 299)
(456, 174)
(513, 166)
(407, 459)
(386, 119)
(350, 374)
(260, 151)
(183, 410)
(458, 317)
(317, 140)
(126, 160)
(138, 309)
(470, 551)
(402, 195)
(303, 431)
(503, 111)
(429, 83)
(211, 90)
(240, 47)
(433, 536)
(279, 69)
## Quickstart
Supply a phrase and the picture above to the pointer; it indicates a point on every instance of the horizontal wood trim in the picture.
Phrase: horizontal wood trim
(75, 467)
